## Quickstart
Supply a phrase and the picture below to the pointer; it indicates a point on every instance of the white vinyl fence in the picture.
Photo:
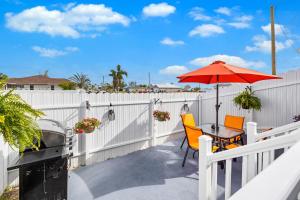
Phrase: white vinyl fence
(133, 129)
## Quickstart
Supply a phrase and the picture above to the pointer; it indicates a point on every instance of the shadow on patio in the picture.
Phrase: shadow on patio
(151, 174)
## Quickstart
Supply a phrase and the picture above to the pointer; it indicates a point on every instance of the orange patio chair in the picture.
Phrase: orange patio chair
(187, 119)
(192, 135)
(235, 122)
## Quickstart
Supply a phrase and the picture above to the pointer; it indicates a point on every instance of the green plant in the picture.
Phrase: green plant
(68, 85)
(161, 115)
(18, 121)
(82, 81)
(87, 125)
(117, 76)
(247, 100)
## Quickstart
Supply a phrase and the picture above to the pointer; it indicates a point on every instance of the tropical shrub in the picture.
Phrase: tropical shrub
(68, 85)
(18, 121)
(247, 100)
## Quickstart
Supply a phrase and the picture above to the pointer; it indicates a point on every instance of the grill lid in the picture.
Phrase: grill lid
(53, 133)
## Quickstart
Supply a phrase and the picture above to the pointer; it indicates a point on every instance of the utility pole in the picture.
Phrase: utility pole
(149, 79)
(273, 47)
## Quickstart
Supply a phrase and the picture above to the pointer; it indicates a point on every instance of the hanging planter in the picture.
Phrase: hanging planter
(161, 115)
(247, 100)
(111, 113)
(87, 125)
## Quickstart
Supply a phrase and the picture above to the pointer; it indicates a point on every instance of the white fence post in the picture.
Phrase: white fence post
(252, 160)
(205, 151)
(82, 137)
(152, 122)
(199, 110)
(4, 164)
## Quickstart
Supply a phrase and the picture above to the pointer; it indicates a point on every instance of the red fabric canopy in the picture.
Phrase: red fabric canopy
(220, 72)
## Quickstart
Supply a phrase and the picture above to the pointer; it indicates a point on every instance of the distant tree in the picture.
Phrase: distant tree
(143, 85)
(82, 81)
(132, 84)
(3, 77)
(196, 89)
(118, 78)
(68, 85)
(107, 87)
(46, 73)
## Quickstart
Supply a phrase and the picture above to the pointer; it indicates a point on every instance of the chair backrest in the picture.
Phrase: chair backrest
(188, 119)
(236, 122)
(192, 134)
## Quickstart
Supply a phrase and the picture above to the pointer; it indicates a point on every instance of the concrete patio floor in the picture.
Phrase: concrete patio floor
(151, 174)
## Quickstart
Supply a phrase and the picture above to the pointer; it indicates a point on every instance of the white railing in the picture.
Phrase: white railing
(255, 158)
(277, 182)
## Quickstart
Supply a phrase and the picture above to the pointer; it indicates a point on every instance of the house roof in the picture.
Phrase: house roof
(36, 80)
(167, 86)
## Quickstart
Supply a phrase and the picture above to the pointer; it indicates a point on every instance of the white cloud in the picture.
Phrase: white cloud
(206, 30)
(239, 25)
(171, 42)
(174, 70)
(197, 13)
(233, 60)
(223, 11)
(52, 53)
(262, 44)
(244, 18)
(241, 22)
(279, 29)
(65, 23)
(158, 10)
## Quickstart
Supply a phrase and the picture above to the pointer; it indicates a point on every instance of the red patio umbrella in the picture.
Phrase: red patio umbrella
(220, 72)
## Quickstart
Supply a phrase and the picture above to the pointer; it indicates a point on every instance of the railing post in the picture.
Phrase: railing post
(252, 159)
(205, 151)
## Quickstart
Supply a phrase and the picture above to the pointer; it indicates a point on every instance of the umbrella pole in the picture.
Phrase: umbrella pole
(217, 107)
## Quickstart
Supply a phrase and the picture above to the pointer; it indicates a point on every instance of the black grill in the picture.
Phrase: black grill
(43, 174)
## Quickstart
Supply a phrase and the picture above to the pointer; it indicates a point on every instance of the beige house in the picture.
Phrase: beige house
(38, 82)
(168, 87)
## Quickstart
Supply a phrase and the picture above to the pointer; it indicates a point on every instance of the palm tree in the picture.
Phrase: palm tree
(81, 80)
(117, 76)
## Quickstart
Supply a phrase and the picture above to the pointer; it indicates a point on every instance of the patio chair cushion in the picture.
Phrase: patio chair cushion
(236, 122)
(232, 146)
(193, 133)
(188, 119)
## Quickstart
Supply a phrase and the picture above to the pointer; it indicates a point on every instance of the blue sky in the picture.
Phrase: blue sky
(165, 38)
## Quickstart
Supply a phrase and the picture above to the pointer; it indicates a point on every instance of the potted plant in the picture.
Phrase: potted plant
(247, 100)
(161, 115)
(87, 125)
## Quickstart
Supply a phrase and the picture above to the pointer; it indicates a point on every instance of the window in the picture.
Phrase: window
(52, 87)
(31, 87)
